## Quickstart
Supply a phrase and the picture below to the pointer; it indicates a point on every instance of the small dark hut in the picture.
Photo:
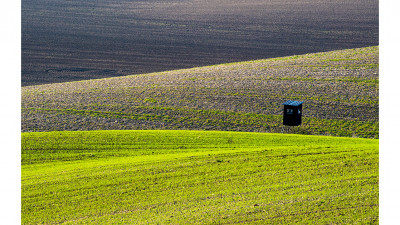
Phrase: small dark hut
(292, 111)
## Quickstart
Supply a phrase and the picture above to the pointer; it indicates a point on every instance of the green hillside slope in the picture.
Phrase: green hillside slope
(339, 90)
(197, 177)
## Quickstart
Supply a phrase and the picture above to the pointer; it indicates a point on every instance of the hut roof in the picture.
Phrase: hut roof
(292, 103)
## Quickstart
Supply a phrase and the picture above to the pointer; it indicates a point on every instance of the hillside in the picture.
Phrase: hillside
(65, 41)
(197, 177)
(339, 90)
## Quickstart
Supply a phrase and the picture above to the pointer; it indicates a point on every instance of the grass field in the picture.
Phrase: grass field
(197, 177)
(173, 147)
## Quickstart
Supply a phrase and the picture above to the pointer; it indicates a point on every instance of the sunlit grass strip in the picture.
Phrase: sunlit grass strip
(186, 118)
(198, 177)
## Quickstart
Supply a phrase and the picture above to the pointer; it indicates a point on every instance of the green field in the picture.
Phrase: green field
(197, 177)
(202, 145)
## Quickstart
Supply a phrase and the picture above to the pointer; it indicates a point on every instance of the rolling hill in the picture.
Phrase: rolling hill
(65, 41)
(197, 177)
(173, 148)
(339, 89)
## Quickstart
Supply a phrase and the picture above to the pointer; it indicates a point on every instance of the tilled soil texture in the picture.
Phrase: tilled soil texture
(339, 89)
(79, 40)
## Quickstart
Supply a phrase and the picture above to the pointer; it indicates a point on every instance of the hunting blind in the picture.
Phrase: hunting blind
(292, 111)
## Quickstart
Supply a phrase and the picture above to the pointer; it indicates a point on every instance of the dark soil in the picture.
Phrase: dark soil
(78, 40)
